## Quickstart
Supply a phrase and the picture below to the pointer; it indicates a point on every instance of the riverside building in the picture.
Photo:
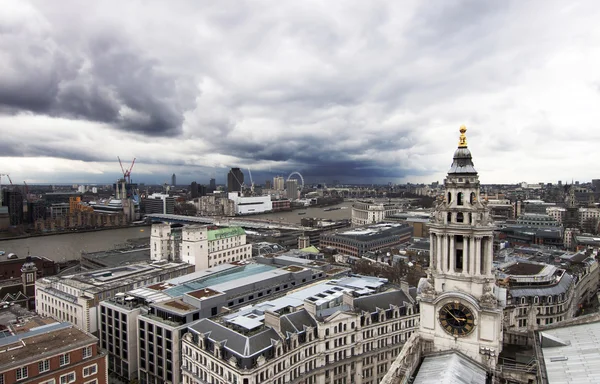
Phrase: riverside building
(199, 245)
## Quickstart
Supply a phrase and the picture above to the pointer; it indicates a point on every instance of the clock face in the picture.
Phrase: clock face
(457, 319)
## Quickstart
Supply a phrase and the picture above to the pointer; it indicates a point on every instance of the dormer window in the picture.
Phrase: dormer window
(549, 299)
(523, 300)
(536, 300)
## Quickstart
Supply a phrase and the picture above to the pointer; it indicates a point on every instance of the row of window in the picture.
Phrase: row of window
(22, 373)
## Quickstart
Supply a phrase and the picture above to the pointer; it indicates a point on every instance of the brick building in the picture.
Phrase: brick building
(51, 353)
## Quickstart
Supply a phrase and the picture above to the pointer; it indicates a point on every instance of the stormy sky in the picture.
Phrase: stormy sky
(356, 91)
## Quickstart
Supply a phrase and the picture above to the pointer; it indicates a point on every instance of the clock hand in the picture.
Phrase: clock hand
(455, 318)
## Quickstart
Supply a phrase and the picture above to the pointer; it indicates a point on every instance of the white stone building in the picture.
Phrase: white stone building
(75, 298)
(248, 205)
(334, 332)
(198, 245)
(369, 212)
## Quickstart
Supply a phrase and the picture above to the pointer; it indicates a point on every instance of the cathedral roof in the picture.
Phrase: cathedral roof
(463, 162)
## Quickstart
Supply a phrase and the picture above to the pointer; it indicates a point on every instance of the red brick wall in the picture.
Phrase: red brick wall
(77, 364)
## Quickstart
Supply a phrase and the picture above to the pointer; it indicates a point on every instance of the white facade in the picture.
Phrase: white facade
(355, 344)
(199, 246)
(75, 298)
(250, 204)
(368, 212)
(557, 213)
(459, 304)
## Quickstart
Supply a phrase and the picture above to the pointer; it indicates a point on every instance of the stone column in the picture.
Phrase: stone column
(472, 256)
(466, 261)
(490, 256)
(452, 254)
(477, 255)
(444, 253)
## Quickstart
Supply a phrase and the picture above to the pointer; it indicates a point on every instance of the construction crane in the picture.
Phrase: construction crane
(251, 181)
(126, 173)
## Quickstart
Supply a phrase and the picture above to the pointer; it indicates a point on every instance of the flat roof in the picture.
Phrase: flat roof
(204, 293)
(42, 342)
(234, 274)
(571, 354)
(524, 269)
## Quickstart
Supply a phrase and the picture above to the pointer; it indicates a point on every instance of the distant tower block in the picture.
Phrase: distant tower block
(303, 241)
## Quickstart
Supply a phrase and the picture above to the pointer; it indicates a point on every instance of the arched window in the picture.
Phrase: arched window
(449, 197)
(549, 299)
(523, 300)
(449, 217)
(472, 199)
(459, 198)
(459, 217)
(470, 218)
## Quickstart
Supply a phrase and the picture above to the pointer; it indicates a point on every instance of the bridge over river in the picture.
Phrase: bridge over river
(225, 221)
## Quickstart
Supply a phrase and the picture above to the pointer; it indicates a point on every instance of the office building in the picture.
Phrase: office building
(235, 180)
(212, 185)
(142, 328)
(75, 297)
(194, 192)
(198, 245)
(173, 180)
(14, 201)
(358, 241)
(291, 189)
(369, 212)
(345, 330)
(251, 204)
(42, 352)
(278, 183)
(159, 203)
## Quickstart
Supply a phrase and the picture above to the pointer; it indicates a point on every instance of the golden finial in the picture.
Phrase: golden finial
(462, 142)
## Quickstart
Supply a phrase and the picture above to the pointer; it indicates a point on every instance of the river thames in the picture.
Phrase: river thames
(68, 246)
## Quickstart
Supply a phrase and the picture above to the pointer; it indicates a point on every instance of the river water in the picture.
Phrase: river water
(69, 246)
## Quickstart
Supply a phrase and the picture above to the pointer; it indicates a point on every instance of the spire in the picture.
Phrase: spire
(462, 142)
(462, 162)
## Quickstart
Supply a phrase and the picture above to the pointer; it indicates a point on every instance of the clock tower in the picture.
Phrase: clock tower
(458, 304)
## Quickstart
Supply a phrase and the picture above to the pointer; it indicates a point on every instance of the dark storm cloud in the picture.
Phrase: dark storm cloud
(105, 79)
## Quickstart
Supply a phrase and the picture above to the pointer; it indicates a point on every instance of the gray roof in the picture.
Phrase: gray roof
(298, 320)
(382, 301)
(450, 368)
(463, 163)
(574, 356)
(561, 287)
(237, 343)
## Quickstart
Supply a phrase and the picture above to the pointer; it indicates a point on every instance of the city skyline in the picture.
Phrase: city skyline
(358, 92)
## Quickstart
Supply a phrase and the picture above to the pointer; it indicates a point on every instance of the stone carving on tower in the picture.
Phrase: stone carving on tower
(458, 299)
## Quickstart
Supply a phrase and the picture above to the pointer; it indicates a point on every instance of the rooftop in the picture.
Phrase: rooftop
(101, 280)
(373, 232)
(571, 354)
(47, 340)
(224, 233)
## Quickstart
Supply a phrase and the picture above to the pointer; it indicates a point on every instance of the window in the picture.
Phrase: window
(64, 359)
(91, 370)
(51, 381)
(95, 381)
(44, 366)
(459, 198)
(21, 373)
(87, 352)
(68, 378)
